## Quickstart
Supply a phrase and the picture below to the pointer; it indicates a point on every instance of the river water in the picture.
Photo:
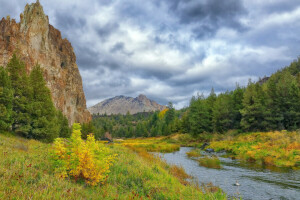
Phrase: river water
(255, 182)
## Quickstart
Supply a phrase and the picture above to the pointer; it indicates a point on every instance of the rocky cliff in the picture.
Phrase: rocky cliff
(122, 105)
(34, 41)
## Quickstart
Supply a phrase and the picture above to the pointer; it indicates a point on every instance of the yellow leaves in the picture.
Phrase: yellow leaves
(88, 160)
(162, 113)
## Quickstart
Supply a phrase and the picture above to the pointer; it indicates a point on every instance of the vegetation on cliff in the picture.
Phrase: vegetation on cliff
(26, 105)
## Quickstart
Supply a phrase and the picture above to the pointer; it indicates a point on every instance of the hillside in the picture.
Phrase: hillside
(123, 104)
(34, 41)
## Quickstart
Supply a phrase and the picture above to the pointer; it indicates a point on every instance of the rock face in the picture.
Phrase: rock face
(34, 41)
(122, 105)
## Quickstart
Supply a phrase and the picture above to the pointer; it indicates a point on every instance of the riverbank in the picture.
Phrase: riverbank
(26, 172)
(278, 148)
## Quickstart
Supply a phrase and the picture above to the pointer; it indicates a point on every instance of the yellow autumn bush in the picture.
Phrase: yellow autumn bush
(82, 160)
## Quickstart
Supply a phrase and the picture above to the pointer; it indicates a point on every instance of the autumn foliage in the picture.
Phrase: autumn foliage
(82, 160)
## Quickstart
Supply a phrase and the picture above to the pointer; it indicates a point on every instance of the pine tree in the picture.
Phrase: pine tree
(6, 97)
(254, 111)
(43, 114)
(237, 98)
(199, 117)
(22, 98)
(170, 114)
(223, 115)
(64, 129)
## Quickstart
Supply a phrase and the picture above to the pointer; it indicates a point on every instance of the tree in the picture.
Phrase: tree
(237, 98)
(22, 98)
(64, 129)
(44, 115)
(170, 114)
(223, 115)
(199, 117)
(6, 97)
(254, 111)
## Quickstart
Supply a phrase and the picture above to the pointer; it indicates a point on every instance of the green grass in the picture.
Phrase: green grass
(280, 149)
(26, 173)
(194, 153)
(210, 162)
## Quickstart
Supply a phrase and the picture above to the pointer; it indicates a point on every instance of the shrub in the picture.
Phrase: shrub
(82, 160)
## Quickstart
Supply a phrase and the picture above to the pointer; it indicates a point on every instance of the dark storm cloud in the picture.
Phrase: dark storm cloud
(106, 30)
(209, 15)
(68, 21)
(170, 50)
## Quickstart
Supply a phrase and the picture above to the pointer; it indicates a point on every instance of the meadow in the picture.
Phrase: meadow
(26, 172)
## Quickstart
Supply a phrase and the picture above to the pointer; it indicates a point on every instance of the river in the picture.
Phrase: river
(256, 183)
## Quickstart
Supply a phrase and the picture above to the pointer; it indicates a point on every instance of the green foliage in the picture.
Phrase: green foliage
(199, 116)
(223, 115)
(43, 114)
(87, 128)
(26, 105)
(62, 122)
(6, 97)
(22, 98)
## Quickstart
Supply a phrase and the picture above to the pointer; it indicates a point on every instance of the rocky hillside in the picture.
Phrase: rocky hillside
(122, 104)
(34, 40)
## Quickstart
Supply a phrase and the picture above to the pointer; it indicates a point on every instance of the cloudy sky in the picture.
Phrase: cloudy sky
(170, 50)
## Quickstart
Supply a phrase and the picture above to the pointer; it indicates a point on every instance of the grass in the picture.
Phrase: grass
(194, 153)
(281, 149)
(26, 173)
(152, 144)
(210, 162)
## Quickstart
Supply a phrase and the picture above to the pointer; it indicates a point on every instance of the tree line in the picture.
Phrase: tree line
(268, 104)
(26, 107)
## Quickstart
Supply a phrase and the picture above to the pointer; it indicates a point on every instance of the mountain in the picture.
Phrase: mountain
(34, 41)
(122, 104)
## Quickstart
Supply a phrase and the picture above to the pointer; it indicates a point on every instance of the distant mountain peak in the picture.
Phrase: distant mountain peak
(122, 104)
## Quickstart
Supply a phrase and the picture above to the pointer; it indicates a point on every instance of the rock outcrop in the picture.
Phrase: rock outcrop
(35, 41)
(122, 105)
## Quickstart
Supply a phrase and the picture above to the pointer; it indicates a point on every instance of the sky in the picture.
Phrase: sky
(170, 50)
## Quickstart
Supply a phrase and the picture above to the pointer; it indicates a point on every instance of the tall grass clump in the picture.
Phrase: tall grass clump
(210, 162)
(82, 160)
(194, 153)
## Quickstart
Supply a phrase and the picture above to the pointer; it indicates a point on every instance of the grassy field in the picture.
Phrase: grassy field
(26, 172)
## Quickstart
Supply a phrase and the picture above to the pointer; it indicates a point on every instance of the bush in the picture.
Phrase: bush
(82, 160)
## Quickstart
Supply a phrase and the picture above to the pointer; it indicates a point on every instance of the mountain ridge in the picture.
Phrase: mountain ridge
(123, 104)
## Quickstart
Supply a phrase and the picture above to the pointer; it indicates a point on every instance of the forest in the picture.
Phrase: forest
(266, 105)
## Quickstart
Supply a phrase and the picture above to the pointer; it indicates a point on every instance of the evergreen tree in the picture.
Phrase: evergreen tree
(22, 98)
(199, 117)
(223, 115)
(254, 111)
(44, 115)
(6, 97)
(170, 114)
(237, 98)
(64, 130)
